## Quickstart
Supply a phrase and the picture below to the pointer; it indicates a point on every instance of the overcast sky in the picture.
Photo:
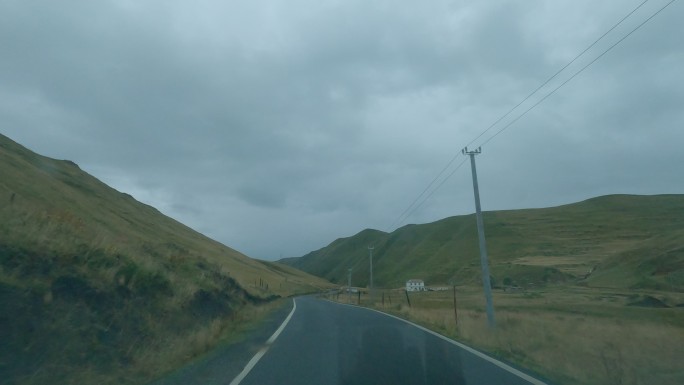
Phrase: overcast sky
(276, 127)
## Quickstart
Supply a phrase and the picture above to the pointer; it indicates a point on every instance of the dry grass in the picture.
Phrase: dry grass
(571, 336)
(171, 354)
(566, 264)
(96, 287)
(154, 359)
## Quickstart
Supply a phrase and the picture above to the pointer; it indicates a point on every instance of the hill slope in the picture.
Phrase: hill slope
(93, 282)
(615, 241)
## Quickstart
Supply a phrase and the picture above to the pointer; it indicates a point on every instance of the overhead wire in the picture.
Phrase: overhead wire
(413, 207)
(557, 73)
(436, 188)
(404, 214)
(576, 73)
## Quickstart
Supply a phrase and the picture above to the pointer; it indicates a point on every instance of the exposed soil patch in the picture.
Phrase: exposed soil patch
(649, 301)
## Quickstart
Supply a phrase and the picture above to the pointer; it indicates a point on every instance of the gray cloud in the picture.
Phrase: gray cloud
(276, 127)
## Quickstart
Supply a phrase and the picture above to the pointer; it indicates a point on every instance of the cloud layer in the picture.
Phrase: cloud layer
(276, 127)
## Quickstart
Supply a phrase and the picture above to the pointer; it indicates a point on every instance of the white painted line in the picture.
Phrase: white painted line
(494, 361)
(250, 365)
(282, 326)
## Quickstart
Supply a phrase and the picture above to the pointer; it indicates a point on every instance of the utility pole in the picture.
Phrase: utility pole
(349, 286)
(483, 244)
(370, 250)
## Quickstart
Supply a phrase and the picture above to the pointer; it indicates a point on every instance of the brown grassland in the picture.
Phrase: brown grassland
(567, 334)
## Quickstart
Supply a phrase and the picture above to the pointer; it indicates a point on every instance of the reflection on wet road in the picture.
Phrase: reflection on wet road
(329, 343)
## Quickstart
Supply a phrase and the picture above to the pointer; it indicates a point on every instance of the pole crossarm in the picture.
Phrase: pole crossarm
(476, 151)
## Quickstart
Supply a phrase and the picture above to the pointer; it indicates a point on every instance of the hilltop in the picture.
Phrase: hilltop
(621, 241)
(95, 284)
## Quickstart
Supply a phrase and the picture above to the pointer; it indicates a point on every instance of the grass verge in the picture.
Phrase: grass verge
(570, 335)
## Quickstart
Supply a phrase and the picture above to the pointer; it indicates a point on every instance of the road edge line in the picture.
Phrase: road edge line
(252, 363)
(476, 352)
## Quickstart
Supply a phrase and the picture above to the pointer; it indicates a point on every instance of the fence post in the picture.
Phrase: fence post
(407, 298)
(455, 307)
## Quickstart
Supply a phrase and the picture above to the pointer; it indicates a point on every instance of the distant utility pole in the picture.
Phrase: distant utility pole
(349, 286)
(370, 250)
(483, 244)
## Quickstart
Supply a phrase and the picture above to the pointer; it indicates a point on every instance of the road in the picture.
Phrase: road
(329, 343)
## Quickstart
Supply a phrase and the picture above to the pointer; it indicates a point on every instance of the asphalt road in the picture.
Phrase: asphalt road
(330, 343)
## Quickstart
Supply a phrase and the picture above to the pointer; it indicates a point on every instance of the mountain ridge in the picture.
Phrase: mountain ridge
(618, 239)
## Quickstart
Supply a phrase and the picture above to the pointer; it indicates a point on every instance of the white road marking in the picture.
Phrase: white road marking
(250, 365)
(494, 361)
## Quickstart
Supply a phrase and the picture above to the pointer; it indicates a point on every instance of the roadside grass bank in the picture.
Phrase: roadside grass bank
(222, 355)
(113, 341)
(570, 335)
(172, 352)
(95, 317)
(98, 288)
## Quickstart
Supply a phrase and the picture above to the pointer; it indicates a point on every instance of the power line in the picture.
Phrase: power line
(576, 73)
(557, 73)
(431, 193)
(402, 216)
(414, 206)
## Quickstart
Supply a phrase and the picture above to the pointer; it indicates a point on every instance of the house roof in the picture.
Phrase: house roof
(414, 281)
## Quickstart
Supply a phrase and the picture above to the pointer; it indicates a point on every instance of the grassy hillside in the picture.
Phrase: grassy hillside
(94, 285)
(619, 241)
(601, 285)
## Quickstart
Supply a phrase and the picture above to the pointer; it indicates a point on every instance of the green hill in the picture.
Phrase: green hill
(621, 241)
(94, 285)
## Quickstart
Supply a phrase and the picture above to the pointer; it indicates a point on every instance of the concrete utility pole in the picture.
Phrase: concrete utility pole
(483, 244)
(349, 286)
(370, 250)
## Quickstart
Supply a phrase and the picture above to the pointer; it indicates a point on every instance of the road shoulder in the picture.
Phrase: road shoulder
(221, 365)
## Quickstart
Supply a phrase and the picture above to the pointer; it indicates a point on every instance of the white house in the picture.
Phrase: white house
(415, 285)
